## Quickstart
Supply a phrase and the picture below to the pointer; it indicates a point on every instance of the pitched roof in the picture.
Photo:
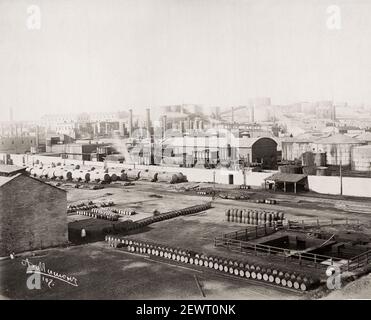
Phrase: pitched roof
(4, 180)
(286, 177)
(366, 136)
(307, 137)
(10, 168)
(339, 138)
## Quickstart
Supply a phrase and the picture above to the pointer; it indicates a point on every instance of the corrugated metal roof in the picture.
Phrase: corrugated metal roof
(338, 138)
(286, 177)
(307, 137)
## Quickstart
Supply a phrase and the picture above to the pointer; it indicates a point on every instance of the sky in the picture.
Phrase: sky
(108, 55)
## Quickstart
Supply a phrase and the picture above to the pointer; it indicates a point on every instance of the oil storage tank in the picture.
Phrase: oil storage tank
(133, 174)
(147, 175)
(320, 159)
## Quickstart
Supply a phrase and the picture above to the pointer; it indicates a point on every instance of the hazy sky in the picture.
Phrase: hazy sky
(102, 55)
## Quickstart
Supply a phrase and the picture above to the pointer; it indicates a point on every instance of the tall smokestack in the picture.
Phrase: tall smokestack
(130, 122)
(37, 138)
(164, 123)
(148, 112)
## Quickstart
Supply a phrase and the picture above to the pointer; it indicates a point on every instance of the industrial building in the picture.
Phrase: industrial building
(32, 213)
(337, 147)
(361, 158)
(17, 144)
(226, 151)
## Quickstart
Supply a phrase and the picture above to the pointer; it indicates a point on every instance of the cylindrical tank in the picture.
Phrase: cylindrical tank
(45, 172)
(86, 176)
(310, 170)
(322, 171)
(76, 175)
(148, 175)
(37, 172)
(58, 172)
(67, 175)
(113, 176)
(307, 159)
(167, 177)
(320, 159)
(123, 176)
(133, 174)
(98, 175)
(181, 177)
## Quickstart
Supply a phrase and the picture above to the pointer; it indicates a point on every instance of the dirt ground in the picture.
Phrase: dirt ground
(107, 273)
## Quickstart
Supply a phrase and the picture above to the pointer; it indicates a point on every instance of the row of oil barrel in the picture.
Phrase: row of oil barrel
(101, 215)
(266, 201)
(204, 193)
(90, 205)
(244, 186)
(75, 173)
(74, 208)
(254, 217)
(247, 270)
(124, 212)
(176, 213)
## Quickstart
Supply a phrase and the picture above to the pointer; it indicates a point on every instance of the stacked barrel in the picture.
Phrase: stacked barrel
(176, 213)
(242, 269)
(254, 217)
(99, 215)
(124, 212)
(74, 208)
(90, 205)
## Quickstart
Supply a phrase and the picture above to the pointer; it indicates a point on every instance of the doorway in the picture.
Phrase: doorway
(230, 179)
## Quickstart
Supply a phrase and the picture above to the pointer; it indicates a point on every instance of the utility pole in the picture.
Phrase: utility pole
(214, 191)
(341, 178)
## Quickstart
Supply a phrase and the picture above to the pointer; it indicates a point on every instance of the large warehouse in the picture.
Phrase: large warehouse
(32, 213)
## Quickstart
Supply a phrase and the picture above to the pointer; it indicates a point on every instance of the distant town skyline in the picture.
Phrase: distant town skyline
(96, 56)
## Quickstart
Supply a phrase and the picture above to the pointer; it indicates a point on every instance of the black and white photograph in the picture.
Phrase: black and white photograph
(187, 150)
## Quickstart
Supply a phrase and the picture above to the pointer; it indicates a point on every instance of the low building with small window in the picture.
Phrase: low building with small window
(32, 212)
(17, 144)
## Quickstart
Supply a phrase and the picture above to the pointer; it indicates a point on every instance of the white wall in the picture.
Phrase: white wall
(325, 184)
(322, 184)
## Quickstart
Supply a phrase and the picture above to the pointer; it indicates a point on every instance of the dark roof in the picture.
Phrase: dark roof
(4, 180)
(286, 177)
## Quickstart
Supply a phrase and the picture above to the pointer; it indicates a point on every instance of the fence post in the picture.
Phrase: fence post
(256, 231)
(302, 223)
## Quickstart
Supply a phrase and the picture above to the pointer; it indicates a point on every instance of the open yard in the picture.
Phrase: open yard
(103, 272)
